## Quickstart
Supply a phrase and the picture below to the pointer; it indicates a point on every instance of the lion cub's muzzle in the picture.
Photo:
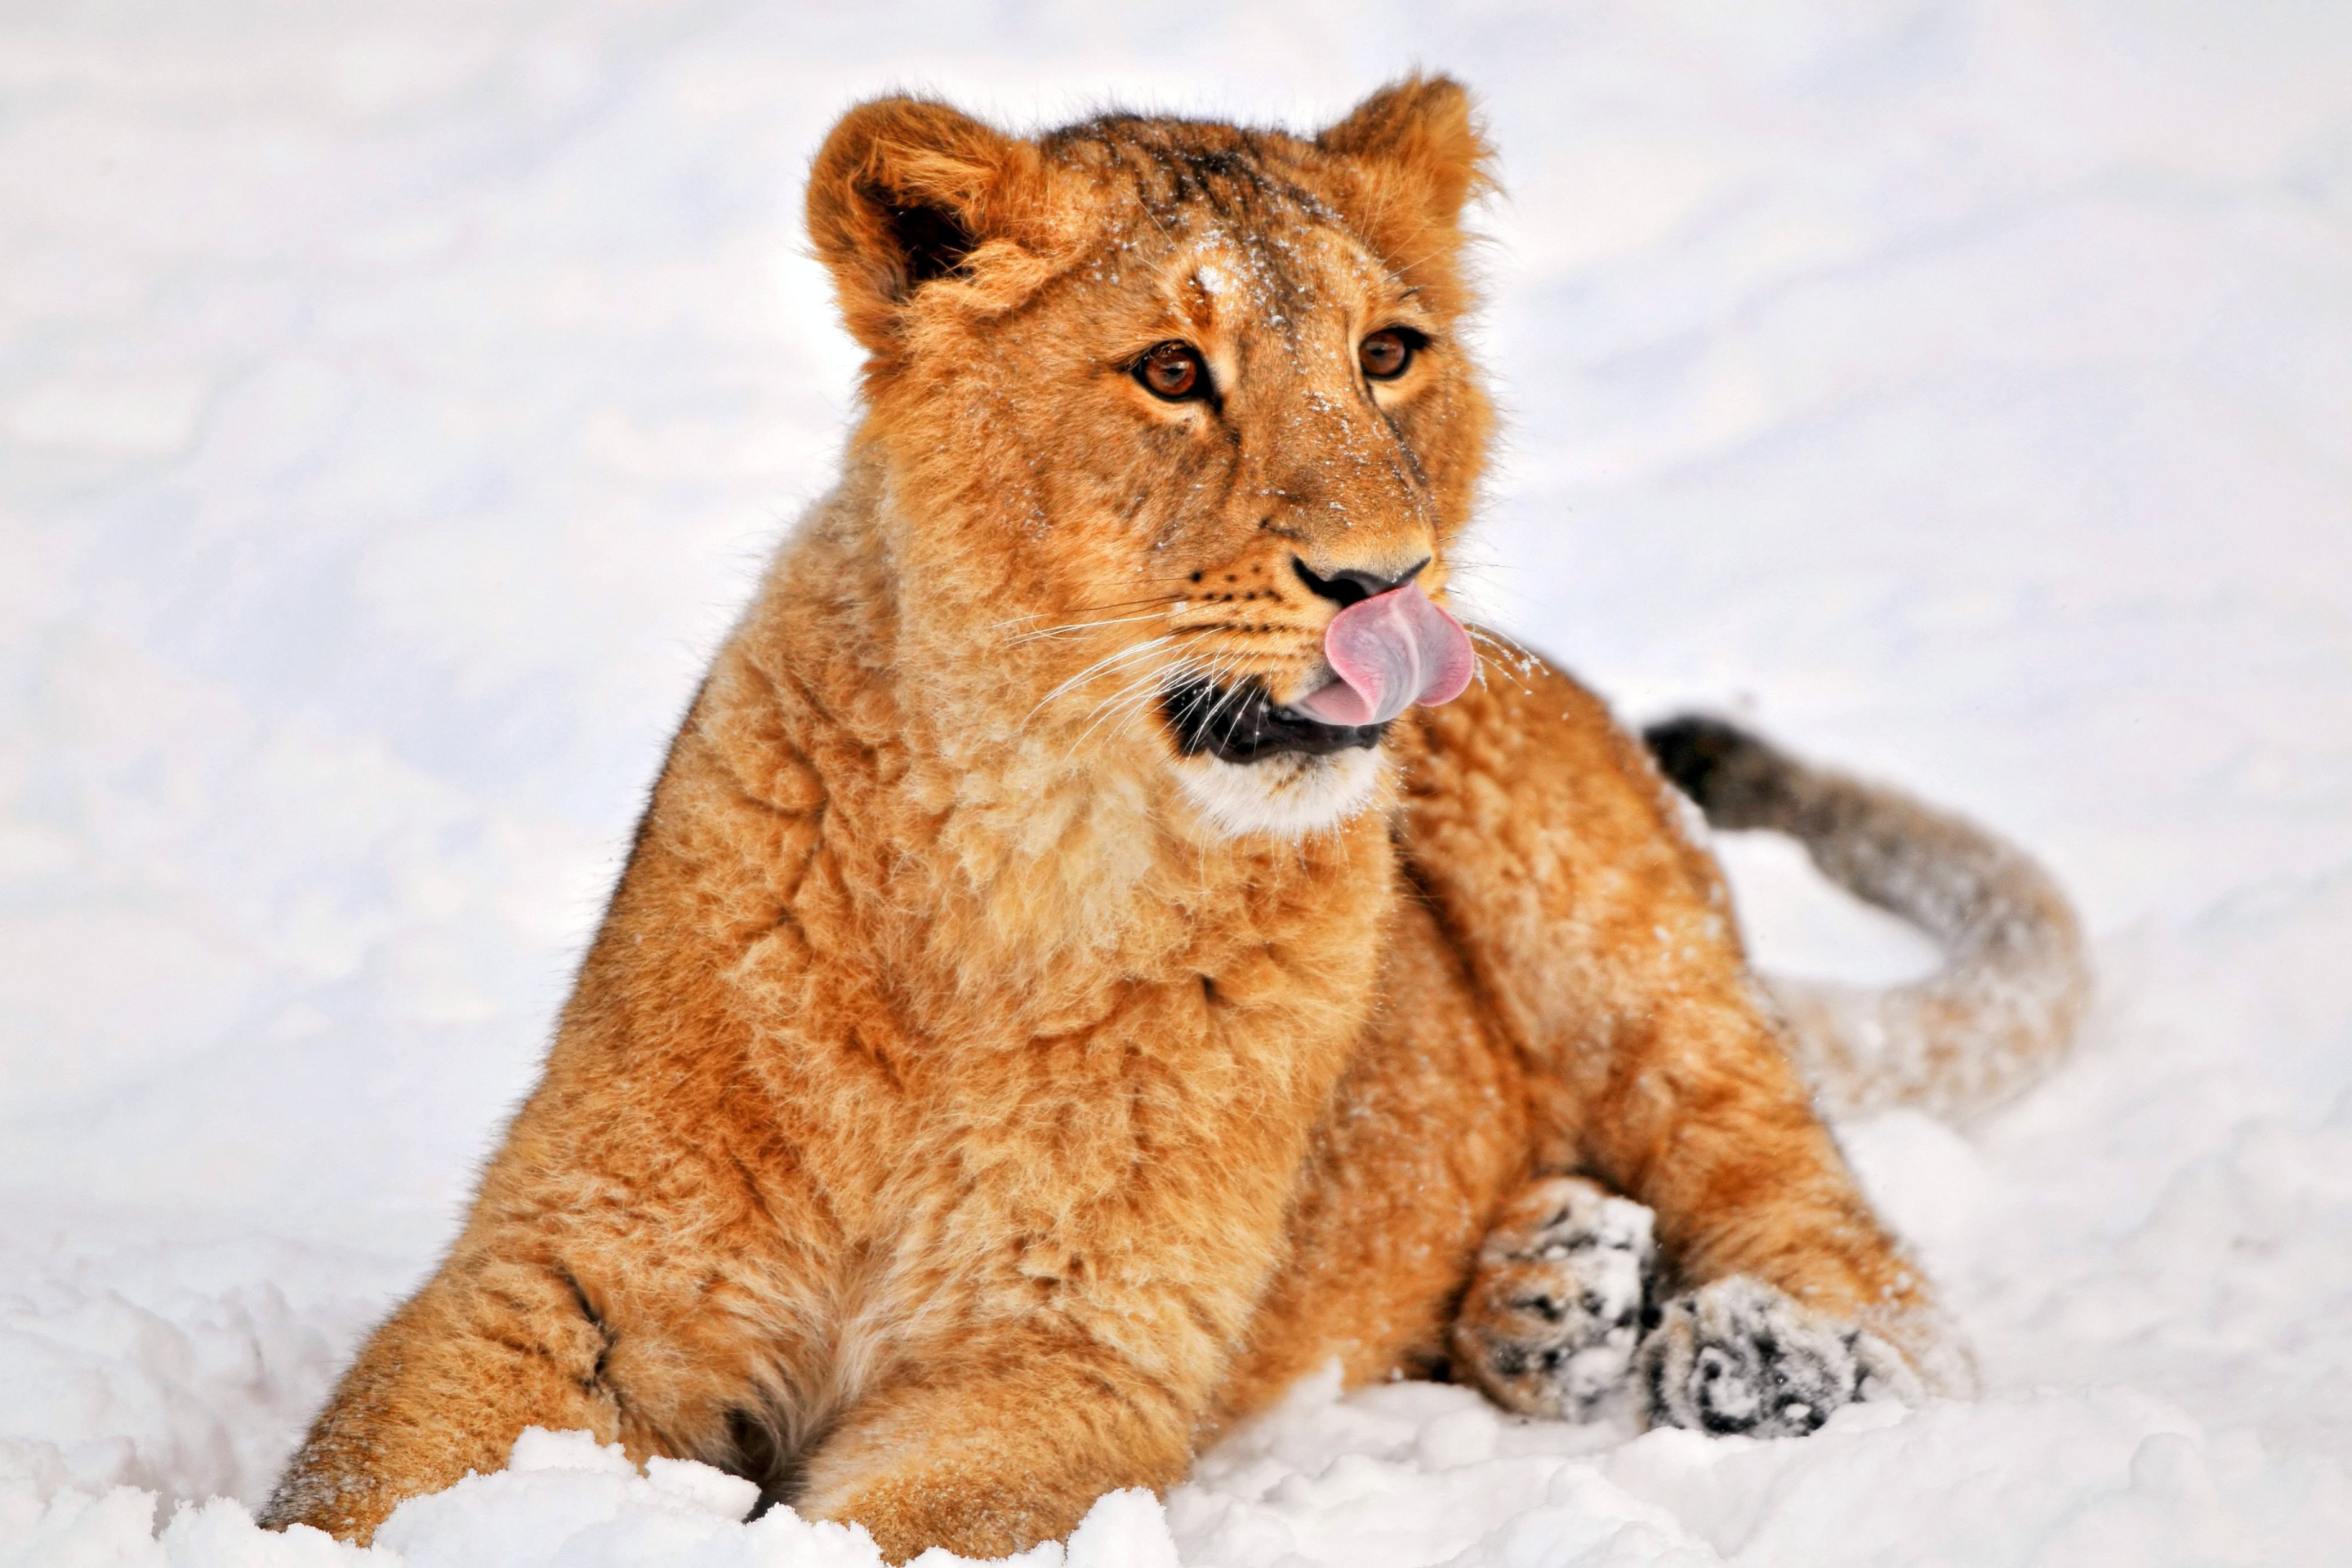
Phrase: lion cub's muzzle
(1385, 652)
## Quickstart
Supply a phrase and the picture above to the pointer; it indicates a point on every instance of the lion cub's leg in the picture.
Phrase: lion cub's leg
(1003, 1439)
(1563, 1292)
(444, 1387)
(1602, 939)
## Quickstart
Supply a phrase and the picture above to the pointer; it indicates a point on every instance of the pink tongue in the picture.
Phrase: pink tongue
(1389, 652)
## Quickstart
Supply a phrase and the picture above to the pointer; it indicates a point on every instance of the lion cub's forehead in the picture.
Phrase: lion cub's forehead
(1233, 279)
(1223, 220)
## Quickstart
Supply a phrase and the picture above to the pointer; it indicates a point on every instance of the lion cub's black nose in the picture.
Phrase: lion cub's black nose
(1345, 588)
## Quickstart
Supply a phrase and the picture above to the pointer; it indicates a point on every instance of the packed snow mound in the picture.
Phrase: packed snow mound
(563, 1501)
(1398, 1477)
(395, 403)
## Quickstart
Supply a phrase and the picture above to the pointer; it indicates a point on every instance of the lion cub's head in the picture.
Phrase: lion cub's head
(1154, 403)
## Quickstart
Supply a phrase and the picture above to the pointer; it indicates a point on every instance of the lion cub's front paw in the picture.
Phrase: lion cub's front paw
(1556, 1312)
(1736, 1355)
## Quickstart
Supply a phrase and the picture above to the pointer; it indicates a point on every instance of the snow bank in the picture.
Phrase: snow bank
(395, 403)
(1403, 1476)
(562, 1503)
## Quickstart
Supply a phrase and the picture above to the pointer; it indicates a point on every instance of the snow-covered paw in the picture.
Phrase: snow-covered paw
(1556, 1311)
(1736, 1355)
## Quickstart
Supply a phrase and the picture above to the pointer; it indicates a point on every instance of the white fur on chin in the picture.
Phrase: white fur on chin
(1289, 795)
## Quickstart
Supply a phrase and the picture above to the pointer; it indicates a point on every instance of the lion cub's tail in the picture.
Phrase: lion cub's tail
(1999, 1014)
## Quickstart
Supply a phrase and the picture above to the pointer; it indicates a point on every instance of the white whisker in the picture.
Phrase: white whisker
(1100, 668)
(1512, 656)
(1040, 633)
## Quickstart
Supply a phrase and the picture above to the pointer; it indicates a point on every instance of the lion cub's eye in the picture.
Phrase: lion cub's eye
(1173, 370)
(1385, 353)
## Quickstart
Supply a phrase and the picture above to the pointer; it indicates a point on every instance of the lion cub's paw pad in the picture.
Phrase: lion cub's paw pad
(1736, 1355)
(1556, 1312)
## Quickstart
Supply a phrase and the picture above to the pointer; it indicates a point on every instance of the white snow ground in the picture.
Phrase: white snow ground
(395, 403)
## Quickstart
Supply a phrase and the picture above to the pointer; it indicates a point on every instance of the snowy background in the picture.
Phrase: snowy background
(395, 402)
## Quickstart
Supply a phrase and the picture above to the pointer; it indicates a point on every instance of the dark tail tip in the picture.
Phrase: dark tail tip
(1737, 779)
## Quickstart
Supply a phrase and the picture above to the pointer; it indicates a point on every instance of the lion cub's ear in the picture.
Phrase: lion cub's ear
(905, 192)
(1418, 156)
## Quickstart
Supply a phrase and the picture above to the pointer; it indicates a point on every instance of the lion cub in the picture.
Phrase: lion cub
(1094, 954)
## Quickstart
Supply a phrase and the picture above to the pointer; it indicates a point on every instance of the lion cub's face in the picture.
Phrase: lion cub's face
(1156, 400)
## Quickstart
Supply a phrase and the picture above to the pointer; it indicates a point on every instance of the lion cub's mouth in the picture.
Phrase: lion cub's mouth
(1242, 724)
(1386, 652)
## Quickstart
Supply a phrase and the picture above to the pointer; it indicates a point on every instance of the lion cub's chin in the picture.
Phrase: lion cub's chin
(1288, 795)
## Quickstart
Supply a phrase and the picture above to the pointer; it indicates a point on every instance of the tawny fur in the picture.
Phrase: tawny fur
(965, 1109)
